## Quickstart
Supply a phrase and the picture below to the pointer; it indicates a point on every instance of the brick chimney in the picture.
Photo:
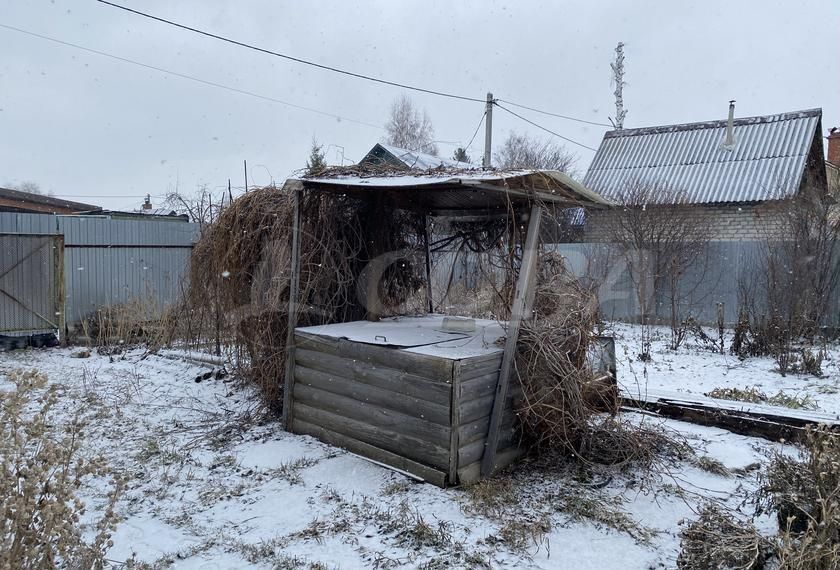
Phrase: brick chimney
(834, 146)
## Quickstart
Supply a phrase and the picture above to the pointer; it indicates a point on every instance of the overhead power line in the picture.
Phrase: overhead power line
(289, 57)
(530, 122)
(480, 122)
(555, 114)
(192, 78)
(336, 69)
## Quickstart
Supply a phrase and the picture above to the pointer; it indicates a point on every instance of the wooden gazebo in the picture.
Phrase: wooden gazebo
(402, 392)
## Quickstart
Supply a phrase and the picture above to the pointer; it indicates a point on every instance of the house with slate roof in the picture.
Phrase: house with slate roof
(737, 172)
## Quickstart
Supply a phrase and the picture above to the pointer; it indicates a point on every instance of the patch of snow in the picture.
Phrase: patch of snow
(693, 371)
(208, 490)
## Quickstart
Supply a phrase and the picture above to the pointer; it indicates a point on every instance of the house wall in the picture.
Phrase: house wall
(727, 222)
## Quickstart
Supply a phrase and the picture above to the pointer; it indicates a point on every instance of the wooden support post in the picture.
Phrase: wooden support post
(454, 424)
(60, 301)
(294, 286)
(523, 286)
(429, 300)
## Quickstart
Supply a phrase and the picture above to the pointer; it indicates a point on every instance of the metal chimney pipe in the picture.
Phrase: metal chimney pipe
(729, 142)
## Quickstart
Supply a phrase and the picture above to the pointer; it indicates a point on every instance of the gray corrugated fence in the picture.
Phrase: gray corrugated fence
(109, 261)
(716, 277)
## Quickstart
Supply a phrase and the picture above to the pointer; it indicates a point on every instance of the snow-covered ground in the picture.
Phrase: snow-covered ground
(209, 488)
(694, 369)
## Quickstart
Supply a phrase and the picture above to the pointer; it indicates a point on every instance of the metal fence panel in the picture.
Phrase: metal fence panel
(716, 278)
(30, 284)
(110, 261)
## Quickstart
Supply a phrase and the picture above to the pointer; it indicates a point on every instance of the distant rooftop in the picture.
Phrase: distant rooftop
(387, 155)
(18, 201)
(767, 161)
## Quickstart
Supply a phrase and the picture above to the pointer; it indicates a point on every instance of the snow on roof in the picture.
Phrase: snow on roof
(547, 185)
(422, 161)
(766, 163)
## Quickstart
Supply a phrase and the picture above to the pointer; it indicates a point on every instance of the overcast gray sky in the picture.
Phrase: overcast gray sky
(98, 130)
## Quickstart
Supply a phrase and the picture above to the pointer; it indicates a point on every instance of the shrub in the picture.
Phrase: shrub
(40, 473)
(804, 492)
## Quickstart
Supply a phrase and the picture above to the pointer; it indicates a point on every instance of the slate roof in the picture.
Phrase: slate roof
(766, 163)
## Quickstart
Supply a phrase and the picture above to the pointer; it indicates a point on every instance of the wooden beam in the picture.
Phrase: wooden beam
(294, 287)
(455, 423)
(764, 421)
(523, 287)
(428, 252)
(472, 215)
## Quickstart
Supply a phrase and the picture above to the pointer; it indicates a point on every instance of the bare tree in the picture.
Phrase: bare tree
(27, 186)
(521, 151)
(797, 275)
(661, 237)
(202, 207)
(409, 128)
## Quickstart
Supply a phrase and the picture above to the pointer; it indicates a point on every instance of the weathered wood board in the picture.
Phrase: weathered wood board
(423, 410)
(755, 420)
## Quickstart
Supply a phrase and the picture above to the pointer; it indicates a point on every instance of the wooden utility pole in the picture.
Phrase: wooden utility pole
(245, 164)
(488, 131)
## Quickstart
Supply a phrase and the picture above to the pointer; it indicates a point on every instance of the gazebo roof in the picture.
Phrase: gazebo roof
(446, 190)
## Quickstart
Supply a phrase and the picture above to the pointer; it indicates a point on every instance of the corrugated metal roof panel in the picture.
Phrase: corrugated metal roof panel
(767, 162)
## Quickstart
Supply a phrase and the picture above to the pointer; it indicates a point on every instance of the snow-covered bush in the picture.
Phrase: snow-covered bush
(41, 470)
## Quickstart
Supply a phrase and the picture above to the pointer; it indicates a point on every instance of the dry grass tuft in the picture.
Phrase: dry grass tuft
(717, 540)
(751, 395)
(115, 328)
(711, 465)
(543, 492)
(755, 396)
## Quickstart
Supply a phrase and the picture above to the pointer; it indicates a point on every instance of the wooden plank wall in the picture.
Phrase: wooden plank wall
(389, 405)
(476, 381)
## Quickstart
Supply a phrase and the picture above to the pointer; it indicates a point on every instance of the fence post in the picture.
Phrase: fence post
(58, 275)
